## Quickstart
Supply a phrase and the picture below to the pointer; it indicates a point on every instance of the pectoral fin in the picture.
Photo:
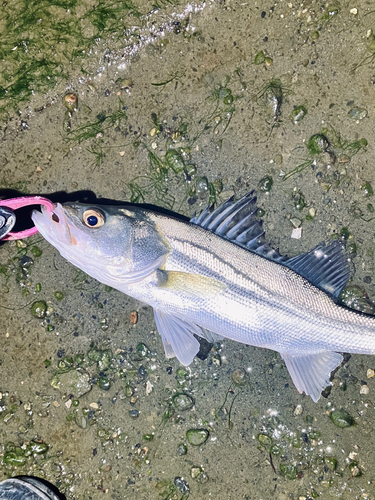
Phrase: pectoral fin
(310, 373)
(177, 336)
(190, 284)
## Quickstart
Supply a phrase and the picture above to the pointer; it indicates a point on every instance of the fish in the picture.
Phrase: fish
(215, 276)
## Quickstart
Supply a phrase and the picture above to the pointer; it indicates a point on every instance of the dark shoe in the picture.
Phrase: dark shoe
(28, 488)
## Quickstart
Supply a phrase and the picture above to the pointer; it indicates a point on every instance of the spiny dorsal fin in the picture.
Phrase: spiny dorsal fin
(325, 266)
(239, 223)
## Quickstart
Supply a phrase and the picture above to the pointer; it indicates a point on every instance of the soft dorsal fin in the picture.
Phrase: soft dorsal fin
(239, 223)
(325, 266)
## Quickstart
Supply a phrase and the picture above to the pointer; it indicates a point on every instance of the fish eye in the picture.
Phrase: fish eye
(93, 218)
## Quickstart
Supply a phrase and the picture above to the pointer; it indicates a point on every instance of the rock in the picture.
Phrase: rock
(73, 381)
(197, 437)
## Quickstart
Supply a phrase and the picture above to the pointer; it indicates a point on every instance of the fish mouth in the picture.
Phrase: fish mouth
(56, 227)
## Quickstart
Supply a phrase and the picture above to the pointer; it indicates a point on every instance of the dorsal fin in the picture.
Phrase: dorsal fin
(239, 223)
(325, 266)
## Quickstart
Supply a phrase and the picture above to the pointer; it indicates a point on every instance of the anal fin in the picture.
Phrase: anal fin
(177, 336)
(310, 372)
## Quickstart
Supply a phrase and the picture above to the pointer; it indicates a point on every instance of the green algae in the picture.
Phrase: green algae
(331, 11)
(12, 458)
(141, 352)
(259, 58)
(97, 128)
(369, 58)
(17, 456)
(42, 38)
(36, 251)
(367, 190)
(175, 76)
(317, 144)
(328, 142)
(104, 383)
(289, 471)
(156, 184)
(102, 357)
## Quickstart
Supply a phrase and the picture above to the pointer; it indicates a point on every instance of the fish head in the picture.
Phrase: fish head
(113, 244)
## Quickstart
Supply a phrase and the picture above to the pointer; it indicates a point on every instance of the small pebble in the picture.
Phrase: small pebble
(75, 382)
(195, 471)
(357, 113)
(127, 83)
(264, 439)
(370, 373)
(297, 233)
(182, 401)
(354, 11)
(239, 377)
(181, 449)
(71, 102)
(181, 485)
(341, 418)
(197, 437)
(134, 317)
(298, 410)
(330, 462)
(364, 389)
(296, 222)
(201, 187)
(39, 309)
